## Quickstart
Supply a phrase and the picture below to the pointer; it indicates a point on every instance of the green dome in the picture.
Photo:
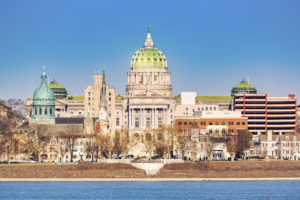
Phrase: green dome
(59, 91)
(43, 105)
(43, 95)
(54, 84)
(243, 88)
(243, 84)
(149, 57)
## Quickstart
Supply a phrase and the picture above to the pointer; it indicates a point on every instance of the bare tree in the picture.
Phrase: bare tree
(182, 140)
(125, 140)
(149, 142)
(18, 105)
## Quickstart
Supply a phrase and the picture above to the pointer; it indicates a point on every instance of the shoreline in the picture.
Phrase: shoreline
(145, 179)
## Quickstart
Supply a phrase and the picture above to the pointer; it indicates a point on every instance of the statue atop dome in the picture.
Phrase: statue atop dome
(148, 42)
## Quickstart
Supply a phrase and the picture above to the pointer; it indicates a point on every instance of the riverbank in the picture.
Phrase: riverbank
(143, 179)
(214, 171)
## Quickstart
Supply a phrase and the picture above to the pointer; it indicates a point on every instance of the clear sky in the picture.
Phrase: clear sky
(210, 45)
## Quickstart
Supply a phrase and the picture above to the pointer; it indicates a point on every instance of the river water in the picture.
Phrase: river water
(288, 190)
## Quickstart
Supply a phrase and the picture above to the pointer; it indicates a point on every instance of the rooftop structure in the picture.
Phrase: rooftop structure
(59, 91)
(188, 98)
(243, 88)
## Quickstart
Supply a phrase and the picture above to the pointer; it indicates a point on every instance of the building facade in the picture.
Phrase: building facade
(148, 101)
(93, 95)
(224, 121)
(278, 114)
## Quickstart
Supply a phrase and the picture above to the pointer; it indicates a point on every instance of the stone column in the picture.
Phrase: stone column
(143, 116)
(155, 121)
(140, 118)
(152, 117)
(166, 116)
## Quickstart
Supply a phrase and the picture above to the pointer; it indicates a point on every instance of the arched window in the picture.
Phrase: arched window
(40, 111)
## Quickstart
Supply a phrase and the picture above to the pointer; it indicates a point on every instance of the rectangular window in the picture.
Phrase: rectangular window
(238, 123)
(117, 121)
(217, 123)
(159, 121)
(243, 123)
(179, 123)
(185, 123)
(148, 122)
(223, 123)
(210, 123)
(137, 122)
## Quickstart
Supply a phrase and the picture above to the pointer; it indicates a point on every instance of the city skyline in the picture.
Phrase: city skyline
(209, 47)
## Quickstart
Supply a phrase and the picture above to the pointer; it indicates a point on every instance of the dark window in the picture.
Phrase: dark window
(35, 111)
(238, 123)
(243, 123)
(210, 123)
(217, 123)
(40, 111)
(50, 111)
(185, 123)
(46, 111)
(179, 123)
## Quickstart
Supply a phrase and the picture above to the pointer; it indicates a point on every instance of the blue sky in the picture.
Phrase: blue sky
(210, 45)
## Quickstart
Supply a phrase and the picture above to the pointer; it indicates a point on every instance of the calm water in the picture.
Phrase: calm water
(151, 190)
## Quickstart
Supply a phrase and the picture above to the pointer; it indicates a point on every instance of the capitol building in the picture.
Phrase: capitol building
(148, 101)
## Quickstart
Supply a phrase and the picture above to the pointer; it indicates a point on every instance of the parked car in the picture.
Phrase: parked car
(155, 157)
(129, 156)
(238, 156)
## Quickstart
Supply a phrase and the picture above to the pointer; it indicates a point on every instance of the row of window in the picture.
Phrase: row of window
(211, 123)
(206, 108)
(41, 111)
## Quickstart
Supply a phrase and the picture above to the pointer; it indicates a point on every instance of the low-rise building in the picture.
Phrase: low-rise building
(271, 146)
(231, 119)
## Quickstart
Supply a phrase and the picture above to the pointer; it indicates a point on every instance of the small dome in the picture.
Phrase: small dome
(243, 84)
(43, 95)
(59, 91)
(149, 57)
(243, 88)
(54, 84)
